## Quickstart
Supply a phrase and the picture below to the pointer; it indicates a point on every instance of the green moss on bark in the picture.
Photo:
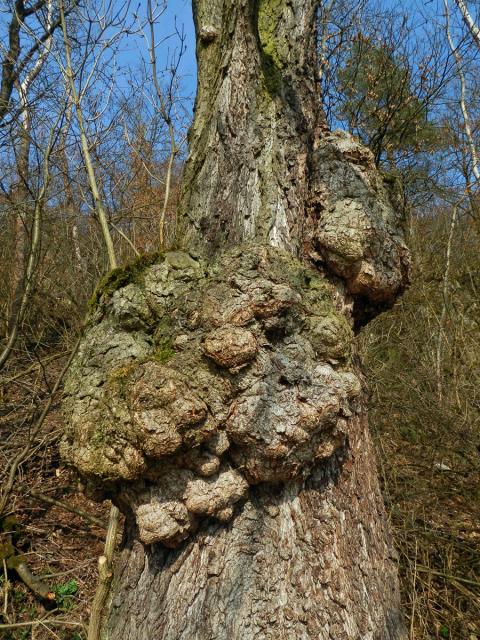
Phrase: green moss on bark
(272, 53)
(121, 277)
(164, 351)
(269, 17)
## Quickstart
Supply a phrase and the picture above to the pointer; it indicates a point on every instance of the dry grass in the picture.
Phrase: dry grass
(427, 430)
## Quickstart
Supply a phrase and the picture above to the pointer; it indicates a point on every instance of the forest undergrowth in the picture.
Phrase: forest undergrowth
(423, 365)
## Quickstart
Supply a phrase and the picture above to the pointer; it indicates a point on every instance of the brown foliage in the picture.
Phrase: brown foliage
(428, 433)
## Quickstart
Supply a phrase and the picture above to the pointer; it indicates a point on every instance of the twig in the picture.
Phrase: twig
(32, 368)
(447, 576)
(44, 621)
(64, 573)
(67, 507)
(414, 591)
(126, 238)
(19, 458)
(6, 587)
(105, 575)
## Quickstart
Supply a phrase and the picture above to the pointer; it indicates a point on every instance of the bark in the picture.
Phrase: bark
(217, 396)
(308, 561)
(11, 57)
(256, 119)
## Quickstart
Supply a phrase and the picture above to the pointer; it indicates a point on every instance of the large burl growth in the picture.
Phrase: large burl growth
(197, 380)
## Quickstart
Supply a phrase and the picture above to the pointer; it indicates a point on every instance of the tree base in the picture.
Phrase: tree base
(299, 561)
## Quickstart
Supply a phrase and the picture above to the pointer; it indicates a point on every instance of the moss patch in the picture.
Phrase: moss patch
(271, 51)
(99, 438)
(121, 373)
(117, 380)
(269, 14)
(120, 277)
(164, 351)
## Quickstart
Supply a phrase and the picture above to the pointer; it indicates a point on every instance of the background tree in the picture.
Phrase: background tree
(31, 30)
(386, 73)
(380, 105)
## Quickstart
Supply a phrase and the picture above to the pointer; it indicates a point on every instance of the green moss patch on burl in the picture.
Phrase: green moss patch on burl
(120, 277)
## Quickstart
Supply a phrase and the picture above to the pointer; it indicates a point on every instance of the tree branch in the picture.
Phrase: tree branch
(79, 512)
(105, 575)
(467, 18)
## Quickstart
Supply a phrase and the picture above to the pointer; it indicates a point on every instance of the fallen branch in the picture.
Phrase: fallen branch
(19, 458)
(79, 512)
(423, 569)
(14, 561)
(32, 367)
(6, 589)
(42, 621)
(33, 582)
(105, 575)
(59, 574)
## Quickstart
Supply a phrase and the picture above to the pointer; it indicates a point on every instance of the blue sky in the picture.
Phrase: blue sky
(179, 14)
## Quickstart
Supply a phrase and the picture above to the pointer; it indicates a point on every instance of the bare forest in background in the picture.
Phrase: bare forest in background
(92, 141)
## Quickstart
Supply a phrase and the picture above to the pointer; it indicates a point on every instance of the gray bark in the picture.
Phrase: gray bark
(300, 561)
(256, 118)
(216, 397)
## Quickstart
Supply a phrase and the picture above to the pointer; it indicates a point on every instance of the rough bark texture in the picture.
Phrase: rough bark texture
(257, 115)
(298, 562)
(216, 396)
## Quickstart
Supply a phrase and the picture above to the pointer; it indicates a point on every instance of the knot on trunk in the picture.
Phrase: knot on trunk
(195, 381)
(359, 224)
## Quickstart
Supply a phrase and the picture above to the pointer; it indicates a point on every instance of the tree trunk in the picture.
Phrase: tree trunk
(301, 561)
(217, 396)
(257, 115)
(23, 206)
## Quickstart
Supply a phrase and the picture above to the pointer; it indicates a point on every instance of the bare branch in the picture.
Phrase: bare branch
(99, 207)
(469, 21)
